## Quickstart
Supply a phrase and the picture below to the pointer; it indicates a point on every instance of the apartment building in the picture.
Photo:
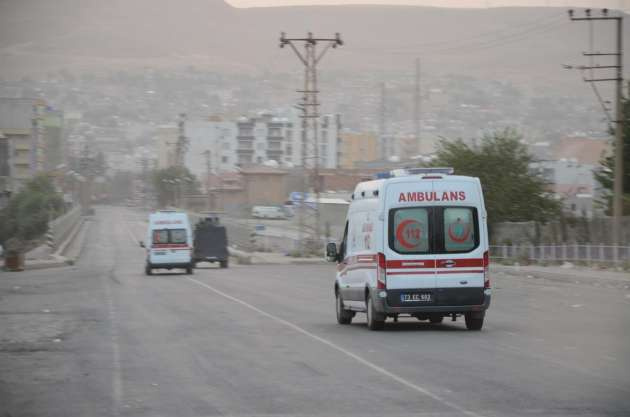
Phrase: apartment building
(23, 145)
(230, 145)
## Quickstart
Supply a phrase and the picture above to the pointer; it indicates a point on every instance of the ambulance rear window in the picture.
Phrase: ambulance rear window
(178, 236)
(410, 230)
(164, 236)
(459, 229)
(433, 230)
(160, 236)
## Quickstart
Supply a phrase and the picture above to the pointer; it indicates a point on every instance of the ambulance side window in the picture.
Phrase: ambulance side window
(460, 229)
(343, 245)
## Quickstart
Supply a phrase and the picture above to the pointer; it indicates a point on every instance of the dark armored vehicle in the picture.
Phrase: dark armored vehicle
(210, 242)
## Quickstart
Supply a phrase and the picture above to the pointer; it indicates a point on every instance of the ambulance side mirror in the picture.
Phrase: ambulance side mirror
(141, 244)
(331, 252)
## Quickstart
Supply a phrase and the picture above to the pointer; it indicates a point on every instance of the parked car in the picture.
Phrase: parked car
(269, 212)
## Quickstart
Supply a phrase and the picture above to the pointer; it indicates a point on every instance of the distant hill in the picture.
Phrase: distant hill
(527, 45)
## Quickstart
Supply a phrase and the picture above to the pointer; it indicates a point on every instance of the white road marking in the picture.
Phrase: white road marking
(134, 240)
(338, 348)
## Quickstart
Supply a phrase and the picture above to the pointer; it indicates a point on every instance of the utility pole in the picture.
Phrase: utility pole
(416, 108)
(181, 146)
(207, 154)
(310, 112)
(39, 146)
(382, 123)
(619, 119)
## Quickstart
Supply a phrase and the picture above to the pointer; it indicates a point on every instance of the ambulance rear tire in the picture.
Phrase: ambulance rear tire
(474, 322)
(375, 321)
(189, 270)
(343, 316)
(148, 270)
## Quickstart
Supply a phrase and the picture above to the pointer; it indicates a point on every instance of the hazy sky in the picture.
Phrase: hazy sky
(442, 3)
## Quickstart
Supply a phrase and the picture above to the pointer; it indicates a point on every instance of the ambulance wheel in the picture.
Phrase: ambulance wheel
(223, 264)
(474, 322)
(343, 316)
(189, 270)
(375, 321)
(436, 319)
(148, 270)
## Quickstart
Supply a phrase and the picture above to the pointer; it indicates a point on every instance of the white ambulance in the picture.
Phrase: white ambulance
(169, 242)
(415, 243)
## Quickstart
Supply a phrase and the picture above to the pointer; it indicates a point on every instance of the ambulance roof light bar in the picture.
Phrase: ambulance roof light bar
(405, 172)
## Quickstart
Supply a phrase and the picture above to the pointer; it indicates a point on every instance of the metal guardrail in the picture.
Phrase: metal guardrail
(579, 252)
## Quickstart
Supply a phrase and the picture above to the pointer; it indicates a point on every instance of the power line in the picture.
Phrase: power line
(181, 146)
(470, 44)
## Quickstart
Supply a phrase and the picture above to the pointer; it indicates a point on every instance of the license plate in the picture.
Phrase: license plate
(160, 253)
(420, 297)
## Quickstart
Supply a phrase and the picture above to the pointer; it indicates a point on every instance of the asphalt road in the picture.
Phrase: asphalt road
(102, 339)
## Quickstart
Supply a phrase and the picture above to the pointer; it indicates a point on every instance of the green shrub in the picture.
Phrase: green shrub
(27, 213)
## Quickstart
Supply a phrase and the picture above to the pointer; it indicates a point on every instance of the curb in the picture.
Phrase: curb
(258, 258)
(243, 258)
(566, 277)
(59, 259)
(60, 262)
(70, 238)
(314, 261)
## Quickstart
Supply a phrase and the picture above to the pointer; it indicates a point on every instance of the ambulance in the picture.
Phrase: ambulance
(169, 242)
(415, 243)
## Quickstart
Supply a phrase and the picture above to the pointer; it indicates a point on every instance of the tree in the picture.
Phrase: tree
(511, 190)
(605, 175)
(172, 183)
(28, 212)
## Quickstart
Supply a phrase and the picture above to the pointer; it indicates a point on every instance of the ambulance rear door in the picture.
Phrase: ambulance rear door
(461, 240)
(408, 235)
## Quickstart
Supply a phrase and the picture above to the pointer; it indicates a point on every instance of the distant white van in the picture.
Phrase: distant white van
(169, 242)
(269, 212)
(415, 243)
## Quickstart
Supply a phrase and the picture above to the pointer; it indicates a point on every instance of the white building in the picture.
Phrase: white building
(247, 141)
(573, 182)
(213, 142)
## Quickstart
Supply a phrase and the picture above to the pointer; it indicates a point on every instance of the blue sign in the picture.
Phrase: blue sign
(297, 196)
(259, 227)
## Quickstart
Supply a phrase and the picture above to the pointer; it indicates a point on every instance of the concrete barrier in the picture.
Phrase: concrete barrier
(61, 227)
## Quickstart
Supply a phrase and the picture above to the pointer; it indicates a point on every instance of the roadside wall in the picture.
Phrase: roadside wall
(62, 226)
(596, 230)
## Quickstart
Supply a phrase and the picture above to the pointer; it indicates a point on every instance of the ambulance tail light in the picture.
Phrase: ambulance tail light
(486, 269)
(381, 271)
